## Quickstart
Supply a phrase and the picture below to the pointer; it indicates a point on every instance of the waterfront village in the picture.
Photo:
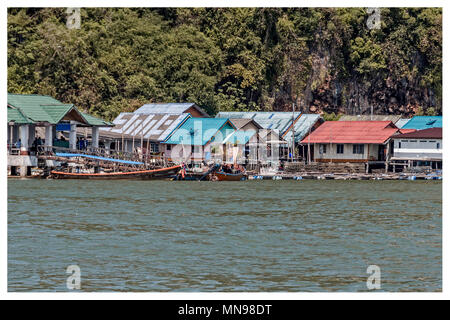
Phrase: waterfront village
(180, 141)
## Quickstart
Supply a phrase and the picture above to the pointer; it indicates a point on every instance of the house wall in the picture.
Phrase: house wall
(370, 152)
(418, 148)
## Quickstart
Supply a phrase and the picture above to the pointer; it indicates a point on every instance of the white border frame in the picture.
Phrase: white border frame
(219, 296)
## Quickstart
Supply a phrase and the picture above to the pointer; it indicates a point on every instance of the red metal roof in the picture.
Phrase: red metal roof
(432, 133)
(407, 130)
(376, 132)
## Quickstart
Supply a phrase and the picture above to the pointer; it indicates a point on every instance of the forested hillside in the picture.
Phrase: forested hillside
(323, 59)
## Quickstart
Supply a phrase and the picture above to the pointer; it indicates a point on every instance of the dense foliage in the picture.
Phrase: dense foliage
(324, 59)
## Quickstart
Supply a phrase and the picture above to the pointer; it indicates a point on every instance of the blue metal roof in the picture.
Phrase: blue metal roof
(424, 122)
(199, 131)
(240, 137)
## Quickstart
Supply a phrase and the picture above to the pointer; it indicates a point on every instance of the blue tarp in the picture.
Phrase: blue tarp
(63, 127)
(68, 155)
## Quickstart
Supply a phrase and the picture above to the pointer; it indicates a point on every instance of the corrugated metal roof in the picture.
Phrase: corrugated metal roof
(175, 108)
(424, 122)
(31, 106)
(302, 127)
(431, 133)
(94, 121)
(407, 130)
(401, 122)
(269, 120)
(240, 137)
(367, 117)
(154, 127)
(278, 121)
(376, 132)
(240, 123)
(56, 112)
(16, 116)
(39, 108)
(199, 131)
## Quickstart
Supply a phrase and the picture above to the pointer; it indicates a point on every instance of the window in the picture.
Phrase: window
(438, 145)
(323, 148)
(154, 147)
(169, 147)
(358, 149)
(399, 145)
(340, 148)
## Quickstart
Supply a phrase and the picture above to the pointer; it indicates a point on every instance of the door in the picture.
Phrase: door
(381, 152)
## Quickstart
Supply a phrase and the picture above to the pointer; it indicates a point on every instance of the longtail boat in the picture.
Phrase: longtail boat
(222, 176)
(155, 174)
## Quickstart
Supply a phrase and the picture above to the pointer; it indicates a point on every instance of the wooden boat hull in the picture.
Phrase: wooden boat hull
(222, 176)
(156, 174)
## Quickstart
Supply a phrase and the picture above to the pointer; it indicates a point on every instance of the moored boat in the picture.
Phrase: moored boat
(155, 174)
(223, 176)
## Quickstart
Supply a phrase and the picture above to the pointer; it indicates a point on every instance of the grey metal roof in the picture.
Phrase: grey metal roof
(269, 120)
(175, 108)
(278, 121)
(302, 127)
(240, 123)
(154, 126)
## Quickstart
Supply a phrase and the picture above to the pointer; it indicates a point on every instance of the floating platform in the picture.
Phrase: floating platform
(345, 177)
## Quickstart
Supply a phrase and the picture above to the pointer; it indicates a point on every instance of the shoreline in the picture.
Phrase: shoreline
(301, 176)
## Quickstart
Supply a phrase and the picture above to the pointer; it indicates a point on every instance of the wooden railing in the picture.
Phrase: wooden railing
(149, 159)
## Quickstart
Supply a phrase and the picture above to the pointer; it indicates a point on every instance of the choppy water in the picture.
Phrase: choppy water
(224, 236)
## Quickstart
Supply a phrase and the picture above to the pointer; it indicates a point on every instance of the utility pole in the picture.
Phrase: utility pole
(309, 146)
(293, 132)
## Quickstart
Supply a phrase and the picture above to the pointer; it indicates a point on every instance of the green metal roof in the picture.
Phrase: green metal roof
(94, 121)
(16, 116)
(57, 112)
(39, 108)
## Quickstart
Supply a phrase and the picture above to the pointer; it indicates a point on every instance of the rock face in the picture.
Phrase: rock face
(330, 92)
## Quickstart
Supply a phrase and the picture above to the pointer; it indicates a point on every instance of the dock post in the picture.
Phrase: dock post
(23, 171)
(95, 136)
(24, 136)
(49, 136)
(73, 136)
